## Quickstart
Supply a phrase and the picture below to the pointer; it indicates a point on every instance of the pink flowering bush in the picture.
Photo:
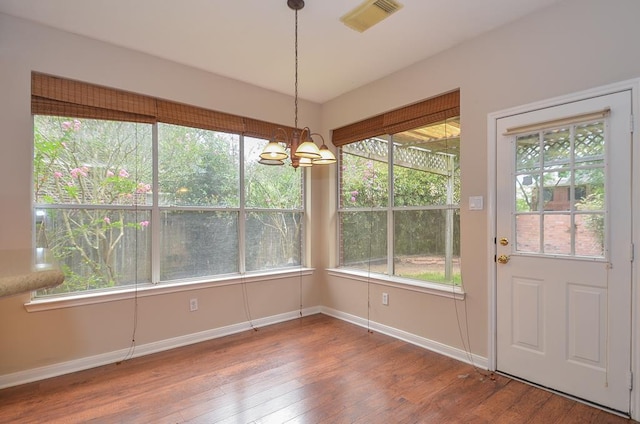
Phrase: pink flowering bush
(87, 163)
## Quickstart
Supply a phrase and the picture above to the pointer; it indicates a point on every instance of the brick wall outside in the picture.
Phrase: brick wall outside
(557, 236)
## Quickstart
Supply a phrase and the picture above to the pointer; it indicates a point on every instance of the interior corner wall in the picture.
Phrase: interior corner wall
(33, 340)
(571, 46)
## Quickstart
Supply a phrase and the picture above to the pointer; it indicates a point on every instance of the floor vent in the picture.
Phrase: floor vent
(370, 13)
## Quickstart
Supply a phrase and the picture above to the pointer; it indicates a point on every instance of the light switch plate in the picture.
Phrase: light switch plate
(476, 203)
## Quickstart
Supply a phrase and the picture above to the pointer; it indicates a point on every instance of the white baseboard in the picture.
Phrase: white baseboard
(452, 352)
(54, 370)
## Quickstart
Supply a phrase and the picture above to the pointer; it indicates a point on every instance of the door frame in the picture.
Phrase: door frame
(492, 140)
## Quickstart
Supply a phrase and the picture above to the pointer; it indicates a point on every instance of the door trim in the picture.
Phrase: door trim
(492, 139)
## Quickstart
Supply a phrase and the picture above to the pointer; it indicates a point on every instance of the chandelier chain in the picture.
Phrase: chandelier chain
(296, 75)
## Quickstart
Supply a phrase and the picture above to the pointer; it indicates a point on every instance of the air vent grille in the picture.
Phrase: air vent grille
(370, 13)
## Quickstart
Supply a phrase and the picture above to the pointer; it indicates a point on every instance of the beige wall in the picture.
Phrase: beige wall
(34, 339)
(572, 46)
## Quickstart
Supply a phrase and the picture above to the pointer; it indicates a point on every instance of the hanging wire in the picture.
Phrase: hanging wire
(371, 222)
(464, 334)
(132, 346)
(245, 299)
(300, 256)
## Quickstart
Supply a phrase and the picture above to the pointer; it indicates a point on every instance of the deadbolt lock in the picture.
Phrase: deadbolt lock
(504, 241)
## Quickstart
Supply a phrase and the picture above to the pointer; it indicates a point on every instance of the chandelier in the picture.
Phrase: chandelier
(303, 150)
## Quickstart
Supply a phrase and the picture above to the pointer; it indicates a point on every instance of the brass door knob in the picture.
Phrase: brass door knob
(503, 259)
(504, 241)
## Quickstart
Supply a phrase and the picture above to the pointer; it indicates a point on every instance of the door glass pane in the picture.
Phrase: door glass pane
(589, 189)
(589, 142)
(557, 148)
(557, 234)
(556, 191)
(528, 233)
(528, 152)
(527, 188)
(590, 234)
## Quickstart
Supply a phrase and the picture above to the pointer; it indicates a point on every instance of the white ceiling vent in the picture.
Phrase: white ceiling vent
(370, 13)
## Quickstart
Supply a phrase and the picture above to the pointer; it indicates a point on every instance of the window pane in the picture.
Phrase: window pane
(422, 177)
(273, 240)
(198, 244)
(96, 248)
(198, 167)
(363, 241)
(426, 165)
(273, 187)
(364, 174)
(424, 248)
(91, 162)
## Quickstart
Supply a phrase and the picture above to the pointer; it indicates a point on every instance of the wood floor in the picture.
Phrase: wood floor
(312, 370)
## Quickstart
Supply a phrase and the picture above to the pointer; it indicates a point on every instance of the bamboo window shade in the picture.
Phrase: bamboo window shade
(52, 95)
(405, 118)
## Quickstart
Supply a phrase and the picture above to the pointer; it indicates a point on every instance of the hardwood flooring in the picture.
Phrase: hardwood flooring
(313, 370)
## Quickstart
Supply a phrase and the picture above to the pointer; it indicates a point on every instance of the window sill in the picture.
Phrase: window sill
(453, 292)
(148, 290)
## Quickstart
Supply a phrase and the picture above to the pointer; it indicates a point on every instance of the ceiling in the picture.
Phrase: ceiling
(252, 40)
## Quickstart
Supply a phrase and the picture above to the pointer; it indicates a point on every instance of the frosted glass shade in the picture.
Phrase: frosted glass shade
(274, 151)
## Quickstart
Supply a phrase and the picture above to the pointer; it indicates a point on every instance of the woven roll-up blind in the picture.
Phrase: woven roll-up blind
(263, 129)
(51, 95)
(192, 116)
(405, 118)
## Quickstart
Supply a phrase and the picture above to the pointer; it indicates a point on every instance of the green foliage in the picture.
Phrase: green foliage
(93, 168)
(436, 277)
(595, 222)
(90, 163)
(417, 232)
(198, 167)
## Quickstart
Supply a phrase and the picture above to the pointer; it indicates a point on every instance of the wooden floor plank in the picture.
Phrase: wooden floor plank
(315, 369)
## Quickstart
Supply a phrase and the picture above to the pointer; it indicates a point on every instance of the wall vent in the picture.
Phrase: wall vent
(370, 13)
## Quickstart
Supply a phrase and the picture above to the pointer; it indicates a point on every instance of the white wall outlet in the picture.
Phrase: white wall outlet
(193, 304)
(385, 298)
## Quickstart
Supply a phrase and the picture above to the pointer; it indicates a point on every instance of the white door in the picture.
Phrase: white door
(563, 248)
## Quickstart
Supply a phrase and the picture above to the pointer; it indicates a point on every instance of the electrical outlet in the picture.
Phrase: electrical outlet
(385, 298)
(193, 304)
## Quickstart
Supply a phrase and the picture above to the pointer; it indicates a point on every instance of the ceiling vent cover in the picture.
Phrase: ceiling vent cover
(370, 13)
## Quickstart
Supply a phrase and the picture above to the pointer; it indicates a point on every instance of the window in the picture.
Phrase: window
(121, 202)
(399, 204)
(399, 188)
